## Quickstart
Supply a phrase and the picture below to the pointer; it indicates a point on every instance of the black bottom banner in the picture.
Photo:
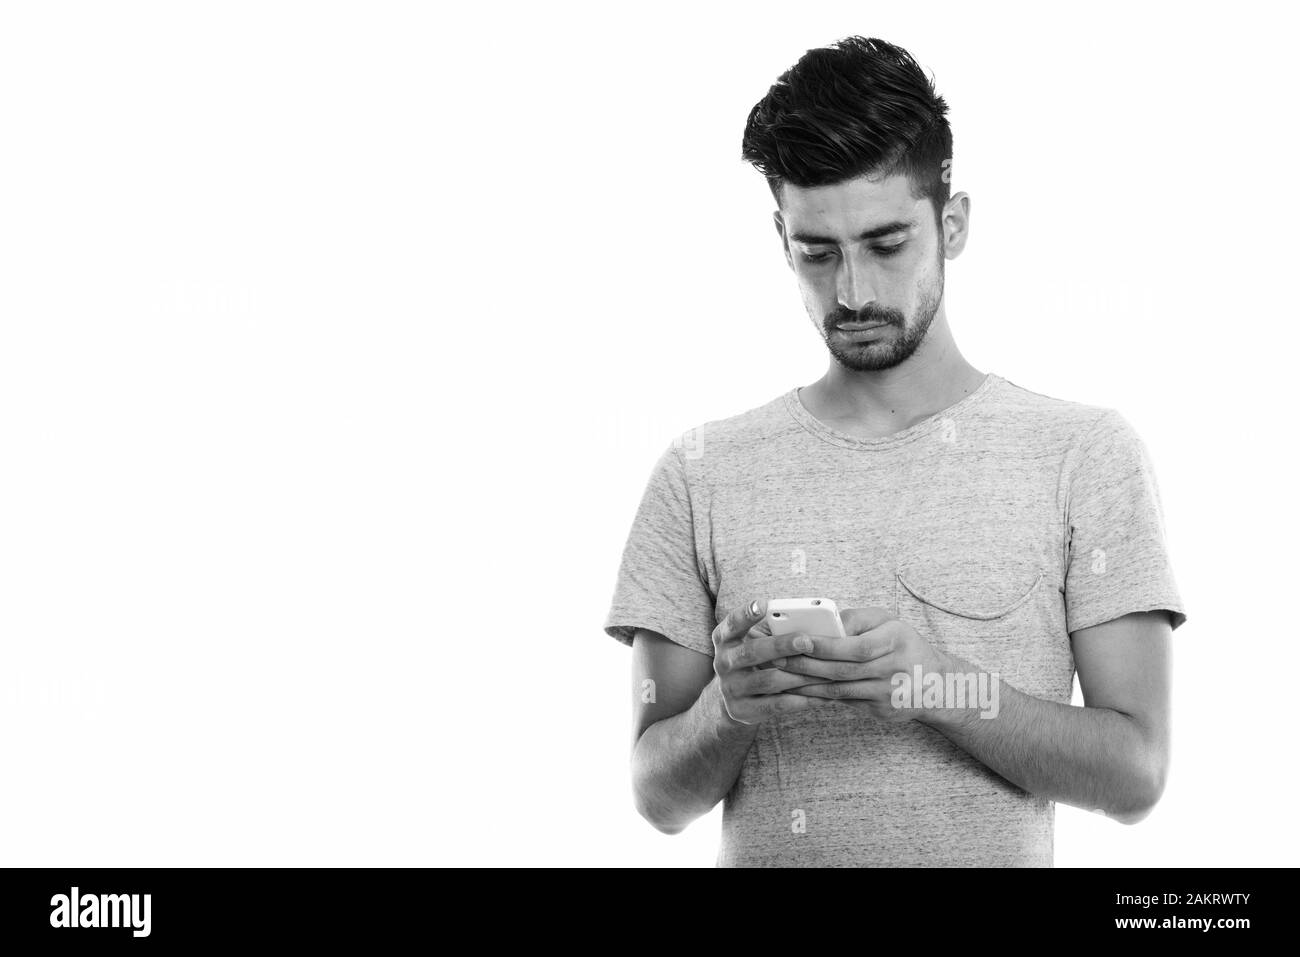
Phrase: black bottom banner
(373, 907)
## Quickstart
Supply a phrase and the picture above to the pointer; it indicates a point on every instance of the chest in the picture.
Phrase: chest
(971, 552)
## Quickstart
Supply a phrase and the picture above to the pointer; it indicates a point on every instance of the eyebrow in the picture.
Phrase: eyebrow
(875, 233)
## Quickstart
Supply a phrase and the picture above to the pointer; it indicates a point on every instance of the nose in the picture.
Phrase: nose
(853, 285)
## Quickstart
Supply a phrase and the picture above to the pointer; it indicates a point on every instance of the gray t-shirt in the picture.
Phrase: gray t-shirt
(996, 528)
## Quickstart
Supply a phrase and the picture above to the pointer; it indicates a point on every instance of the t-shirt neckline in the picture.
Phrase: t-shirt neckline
(927, 425)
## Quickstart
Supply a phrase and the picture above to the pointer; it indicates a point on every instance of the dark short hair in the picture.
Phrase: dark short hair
(861, 106)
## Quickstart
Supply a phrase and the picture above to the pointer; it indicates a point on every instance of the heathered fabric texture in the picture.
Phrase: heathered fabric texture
(995, 527)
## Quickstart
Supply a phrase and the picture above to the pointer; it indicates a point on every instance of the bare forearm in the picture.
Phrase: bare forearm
(683, 765)
(1093, 758)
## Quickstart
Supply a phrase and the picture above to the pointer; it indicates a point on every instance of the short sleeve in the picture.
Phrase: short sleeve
(1118, 559)
(660, 586)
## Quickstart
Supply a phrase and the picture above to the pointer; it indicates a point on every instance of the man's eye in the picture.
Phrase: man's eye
(816, 257)
(887, 250)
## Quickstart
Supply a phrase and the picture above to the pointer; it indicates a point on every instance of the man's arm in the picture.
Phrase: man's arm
(1112, 754)
(695, 716)
(686, 749)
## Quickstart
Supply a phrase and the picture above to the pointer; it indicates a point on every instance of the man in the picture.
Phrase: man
(974, 534)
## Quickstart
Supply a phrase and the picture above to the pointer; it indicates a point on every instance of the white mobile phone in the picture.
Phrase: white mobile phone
(812, 616)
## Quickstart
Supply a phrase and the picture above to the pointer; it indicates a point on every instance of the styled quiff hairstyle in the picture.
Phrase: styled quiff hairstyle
(859, 107)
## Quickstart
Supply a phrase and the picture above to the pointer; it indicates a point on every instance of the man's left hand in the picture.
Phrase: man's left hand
(859, 670)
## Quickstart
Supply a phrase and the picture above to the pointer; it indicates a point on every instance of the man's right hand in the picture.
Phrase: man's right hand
(747, 659)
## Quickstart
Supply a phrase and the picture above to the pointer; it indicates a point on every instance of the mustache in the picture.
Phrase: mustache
(869, 313)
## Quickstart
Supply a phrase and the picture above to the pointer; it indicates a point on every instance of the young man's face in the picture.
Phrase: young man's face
(869, 263)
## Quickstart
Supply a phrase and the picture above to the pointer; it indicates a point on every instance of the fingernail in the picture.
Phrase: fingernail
(753, 609)
(803, 643)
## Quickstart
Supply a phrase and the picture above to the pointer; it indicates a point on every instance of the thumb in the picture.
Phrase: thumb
(858, 620)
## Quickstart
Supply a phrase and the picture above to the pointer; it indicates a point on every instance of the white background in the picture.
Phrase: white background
(337, 342)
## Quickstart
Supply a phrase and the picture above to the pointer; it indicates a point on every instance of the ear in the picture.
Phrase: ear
(955, 224)
(785, 243)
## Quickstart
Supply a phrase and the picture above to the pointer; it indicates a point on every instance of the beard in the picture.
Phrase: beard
(896, 342)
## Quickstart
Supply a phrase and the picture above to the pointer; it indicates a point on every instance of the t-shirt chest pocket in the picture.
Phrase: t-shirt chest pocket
(981, 609)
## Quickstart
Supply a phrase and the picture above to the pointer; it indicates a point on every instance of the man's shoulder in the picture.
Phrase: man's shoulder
(739, 432)
(1047, 418)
